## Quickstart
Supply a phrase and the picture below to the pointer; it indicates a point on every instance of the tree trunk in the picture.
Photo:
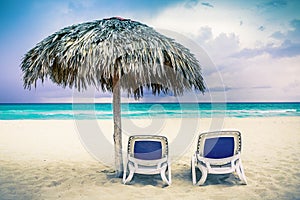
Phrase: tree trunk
(117, 126)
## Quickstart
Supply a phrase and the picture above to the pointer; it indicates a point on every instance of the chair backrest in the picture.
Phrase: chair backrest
(219, 144)
(147, 147)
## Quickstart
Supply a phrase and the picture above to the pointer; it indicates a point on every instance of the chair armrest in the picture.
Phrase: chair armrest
(157, 162)
(220, 161)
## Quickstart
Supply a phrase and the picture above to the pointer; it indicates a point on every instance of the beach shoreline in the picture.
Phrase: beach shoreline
(45, 159)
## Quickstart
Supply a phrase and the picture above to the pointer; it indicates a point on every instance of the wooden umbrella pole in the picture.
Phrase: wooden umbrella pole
(117, 125)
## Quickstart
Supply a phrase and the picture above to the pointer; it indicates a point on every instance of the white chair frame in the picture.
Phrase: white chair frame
(217, 166)
(139, 166)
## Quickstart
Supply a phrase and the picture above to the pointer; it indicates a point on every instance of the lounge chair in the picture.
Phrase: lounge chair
(218, 152)
(147, 154)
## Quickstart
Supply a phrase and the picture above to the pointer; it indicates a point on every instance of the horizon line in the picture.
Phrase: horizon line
(204, 102)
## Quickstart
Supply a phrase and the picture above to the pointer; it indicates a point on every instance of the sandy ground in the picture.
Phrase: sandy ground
(49, 160)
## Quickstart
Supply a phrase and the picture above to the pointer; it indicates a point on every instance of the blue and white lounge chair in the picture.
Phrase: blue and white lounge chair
(147, 154)
(218, 152)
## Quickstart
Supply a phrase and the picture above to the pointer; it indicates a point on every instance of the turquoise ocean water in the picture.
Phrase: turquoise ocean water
(147, 110)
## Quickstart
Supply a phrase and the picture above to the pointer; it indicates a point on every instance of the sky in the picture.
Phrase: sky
(250, 50)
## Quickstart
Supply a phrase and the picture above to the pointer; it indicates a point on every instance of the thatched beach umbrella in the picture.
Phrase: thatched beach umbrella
(111, 54)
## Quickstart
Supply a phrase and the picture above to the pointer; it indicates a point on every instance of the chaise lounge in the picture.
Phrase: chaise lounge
(218, 152)
(147, 154)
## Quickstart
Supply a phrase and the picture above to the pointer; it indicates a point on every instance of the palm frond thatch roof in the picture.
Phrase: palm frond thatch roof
(92, 53)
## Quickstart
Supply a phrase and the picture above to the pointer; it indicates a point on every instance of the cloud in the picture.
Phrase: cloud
(191, 3)
(292, 34)
(261, 28)
(207, 4)
(219, 89)
(219, 47)
(274, 4)
(262, 78)
(289, 47)
(204, 34)
(249, 57)
(224, 18)
(262, 87)
(254, 64)
(278, 35)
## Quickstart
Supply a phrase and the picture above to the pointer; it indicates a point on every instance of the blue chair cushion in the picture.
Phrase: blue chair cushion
(217, 148)
(148, 150)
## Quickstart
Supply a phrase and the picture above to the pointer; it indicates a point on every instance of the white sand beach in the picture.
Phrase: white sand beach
(45, 159)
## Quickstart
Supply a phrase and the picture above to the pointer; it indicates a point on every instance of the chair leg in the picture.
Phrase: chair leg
(125, 172)
(163, 174)
(240, 172)
(131, 173)
(193, 169)
(169, 173)
(204, 173)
